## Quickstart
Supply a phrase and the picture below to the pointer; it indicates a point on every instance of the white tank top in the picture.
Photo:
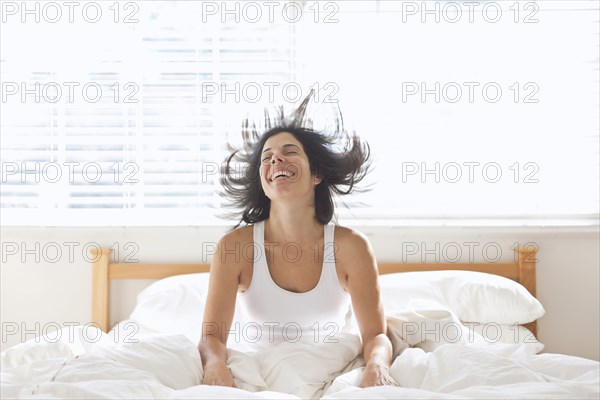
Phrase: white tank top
(271, 314)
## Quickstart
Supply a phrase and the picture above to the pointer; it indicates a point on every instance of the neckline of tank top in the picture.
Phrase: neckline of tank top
(321, 276)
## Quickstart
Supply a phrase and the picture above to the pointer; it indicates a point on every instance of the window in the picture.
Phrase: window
(124, 121)
(128, 121)
(489, 112)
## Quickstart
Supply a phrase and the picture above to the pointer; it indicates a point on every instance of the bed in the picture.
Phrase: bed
(459, 330)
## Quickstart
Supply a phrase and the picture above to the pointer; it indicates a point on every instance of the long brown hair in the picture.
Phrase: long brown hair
(339, 170)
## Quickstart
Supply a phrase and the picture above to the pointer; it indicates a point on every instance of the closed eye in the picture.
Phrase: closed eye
(288, 153)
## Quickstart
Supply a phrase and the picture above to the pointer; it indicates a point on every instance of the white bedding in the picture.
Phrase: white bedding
(168, 366)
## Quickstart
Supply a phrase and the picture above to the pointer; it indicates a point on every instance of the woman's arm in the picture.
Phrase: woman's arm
(223, 284)
(362, 283)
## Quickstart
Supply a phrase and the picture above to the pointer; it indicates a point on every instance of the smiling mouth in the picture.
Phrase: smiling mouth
(282, 176)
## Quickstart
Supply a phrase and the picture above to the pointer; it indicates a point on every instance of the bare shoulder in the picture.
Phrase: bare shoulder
(353, 248)
(242, 235)
(350, 238)
(232, 248)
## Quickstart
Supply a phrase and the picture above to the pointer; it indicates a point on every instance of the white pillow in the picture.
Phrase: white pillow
(174, 305)
(482, 297)
(472, 296)
(407, 291)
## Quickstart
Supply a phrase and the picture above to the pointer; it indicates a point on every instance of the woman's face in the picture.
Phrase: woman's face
(285, 169)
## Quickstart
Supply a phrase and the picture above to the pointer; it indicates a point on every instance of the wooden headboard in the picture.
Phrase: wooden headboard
(104, 271)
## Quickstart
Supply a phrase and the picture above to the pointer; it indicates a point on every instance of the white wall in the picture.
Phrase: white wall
(52, 294)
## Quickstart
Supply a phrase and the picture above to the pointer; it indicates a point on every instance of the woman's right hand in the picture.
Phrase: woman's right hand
(217, 374)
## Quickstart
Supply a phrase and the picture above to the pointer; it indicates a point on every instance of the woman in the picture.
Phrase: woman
(304, 270)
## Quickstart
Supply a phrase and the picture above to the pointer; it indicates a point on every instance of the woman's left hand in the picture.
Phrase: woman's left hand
(376, 375)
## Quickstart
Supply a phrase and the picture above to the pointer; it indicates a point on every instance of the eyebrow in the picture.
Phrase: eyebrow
(285, 145)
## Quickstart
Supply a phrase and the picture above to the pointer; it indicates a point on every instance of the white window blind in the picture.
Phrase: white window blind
(525, 155)
(150, 146)
(146, 151)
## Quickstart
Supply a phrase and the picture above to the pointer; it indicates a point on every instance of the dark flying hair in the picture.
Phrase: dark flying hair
(339, 170)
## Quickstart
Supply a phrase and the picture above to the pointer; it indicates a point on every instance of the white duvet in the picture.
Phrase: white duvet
(168, 366)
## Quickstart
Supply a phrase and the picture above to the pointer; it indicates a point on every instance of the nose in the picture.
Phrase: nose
(276, 157)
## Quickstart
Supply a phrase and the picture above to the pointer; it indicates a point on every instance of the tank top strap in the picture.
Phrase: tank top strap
(260, 265)
(259, 234)
(328, 249)
(328, 234)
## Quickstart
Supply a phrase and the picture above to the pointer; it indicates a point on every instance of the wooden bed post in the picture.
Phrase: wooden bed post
(527, 277)
(100, 287)
(527, 263)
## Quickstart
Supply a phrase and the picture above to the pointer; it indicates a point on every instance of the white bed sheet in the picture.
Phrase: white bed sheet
(168, 366)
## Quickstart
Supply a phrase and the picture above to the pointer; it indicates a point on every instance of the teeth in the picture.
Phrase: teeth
(282, 173)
